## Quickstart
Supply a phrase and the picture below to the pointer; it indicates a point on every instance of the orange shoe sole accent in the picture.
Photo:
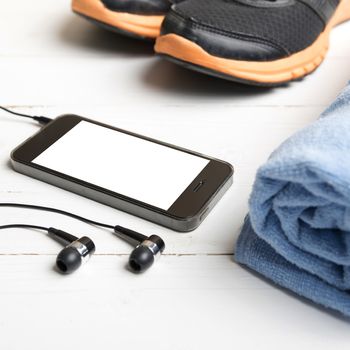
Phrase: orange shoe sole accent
(275, 72)
(145, 26)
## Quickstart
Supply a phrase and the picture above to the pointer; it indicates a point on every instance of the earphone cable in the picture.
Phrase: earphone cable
(35, 227)
(57, 211)
(42, 120)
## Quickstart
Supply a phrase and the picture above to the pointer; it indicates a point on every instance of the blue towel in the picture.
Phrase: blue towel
(297, 233)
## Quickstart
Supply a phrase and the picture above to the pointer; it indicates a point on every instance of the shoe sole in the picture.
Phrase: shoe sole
(271, 73)
(144, 27)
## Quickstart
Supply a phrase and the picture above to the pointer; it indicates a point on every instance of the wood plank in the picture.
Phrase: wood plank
(149, 82)
(182, 303)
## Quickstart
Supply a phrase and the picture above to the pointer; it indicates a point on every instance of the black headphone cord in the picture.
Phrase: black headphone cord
(122, 232)
(70, 258)
(40, 119)
(35, 227)
(53, 210)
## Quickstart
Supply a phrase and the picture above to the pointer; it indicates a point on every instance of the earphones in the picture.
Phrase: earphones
(76, 253)
(147, 250)
(78, 250)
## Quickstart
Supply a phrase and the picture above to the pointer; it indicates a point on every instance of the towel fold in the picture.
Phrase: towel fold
(298, 230)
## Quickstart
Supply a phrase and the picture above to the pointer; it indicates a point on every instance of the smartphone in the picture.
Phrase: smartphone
(165, 184)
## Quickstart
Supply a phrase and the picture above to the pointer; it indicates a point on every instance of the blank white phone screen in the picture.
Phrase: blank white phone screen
(122, 163)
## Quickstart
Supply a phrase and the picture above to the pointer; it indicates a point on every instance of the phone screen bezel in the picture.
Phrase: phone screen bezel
(190, 203)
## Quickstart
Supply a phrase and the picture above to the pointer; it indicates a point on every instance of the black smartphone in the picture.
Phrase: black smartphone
(165, 184)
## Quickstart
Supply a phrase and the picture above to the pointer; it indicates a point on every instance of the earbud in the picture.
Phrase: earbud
(76, 253)
(147, 250)
(144, 255)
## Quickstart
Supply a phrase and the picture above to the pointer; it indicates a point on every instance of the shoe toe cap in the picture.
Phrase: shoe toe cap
(231, 45)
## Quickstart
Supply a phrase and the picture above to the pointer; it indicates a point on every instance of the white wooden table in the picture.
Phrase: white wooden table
(195, 297)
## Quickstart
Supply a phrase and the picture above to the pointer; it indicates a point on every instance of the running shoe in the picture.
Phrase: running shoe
(260, 42)
(136, 18)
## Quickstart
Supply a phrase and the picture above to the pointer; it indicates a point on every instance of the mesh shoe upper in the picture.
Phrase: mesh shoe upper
(282, 27)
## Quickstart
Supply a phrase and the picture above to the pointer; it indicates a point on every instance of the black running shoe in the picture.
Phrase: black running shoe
(263, 42)
(137, 18)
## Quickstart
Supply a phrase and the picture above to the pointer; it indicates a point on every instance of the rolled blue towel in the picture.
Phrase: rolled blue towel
(297, 233)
